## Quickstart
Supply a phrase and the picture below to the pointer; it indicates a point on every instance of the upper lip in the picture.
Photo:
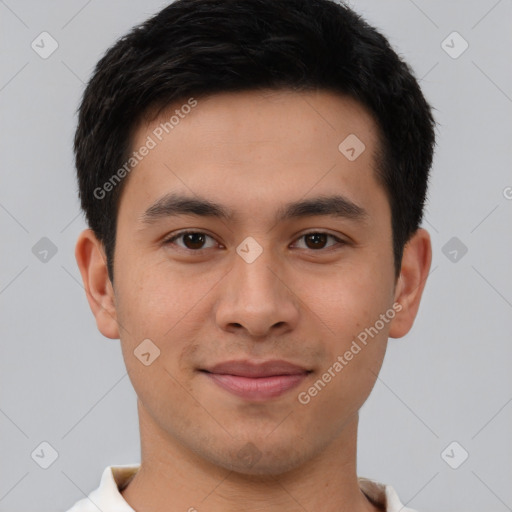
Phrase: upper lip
(247, 368)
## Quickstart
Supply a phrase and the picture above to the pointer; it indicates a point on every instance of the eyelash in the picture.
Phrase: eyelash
(171, 240)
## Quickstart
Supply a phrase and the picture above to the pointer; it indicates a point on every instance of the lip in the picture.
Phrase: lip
(257, 381)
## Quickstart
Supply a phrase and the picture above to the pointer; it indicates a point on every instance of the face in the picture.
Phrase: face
(267, 280)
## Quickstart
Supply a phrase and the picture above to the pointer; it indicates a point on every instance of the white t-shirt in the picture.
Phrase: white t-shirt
(107, 497)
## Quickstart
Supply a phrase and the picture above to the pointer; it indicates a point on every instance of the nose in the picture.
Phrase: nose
(256, 298)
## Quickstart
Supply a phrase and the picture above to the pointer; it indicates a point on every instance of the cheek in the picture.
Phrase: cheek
(152, 302)
(154, 307)
(351, 305)
(167, 308)
(349, 301)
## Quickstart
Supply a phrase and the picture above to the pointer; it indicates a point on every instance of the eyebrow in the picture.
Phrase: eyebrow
(173, 204)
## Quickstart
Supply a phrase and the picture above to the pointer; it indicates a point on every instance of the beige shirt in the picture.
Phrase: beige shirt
(107, 497)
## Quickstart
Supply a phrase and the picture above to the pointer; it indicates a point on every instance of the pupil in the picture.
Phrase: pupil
(317, 238)
(196, 239)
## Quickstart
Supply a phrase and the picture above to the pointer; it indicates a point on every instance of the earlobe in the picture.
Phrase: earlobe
(91, 261)
(416, 261)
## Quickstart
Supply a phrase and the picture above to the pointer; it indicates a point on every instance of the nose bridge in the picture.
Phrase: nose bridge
(253, 296)
(253, 278)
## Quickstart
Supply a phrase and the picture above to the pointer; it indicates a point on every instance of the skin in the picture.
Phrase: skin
(252, 152)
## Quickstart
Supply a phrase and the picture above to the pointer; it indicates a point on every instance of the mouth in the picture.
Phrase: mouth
(256, 381)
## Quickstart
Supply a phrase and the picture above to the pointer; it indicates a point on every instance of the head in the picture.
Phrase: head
(261, 121)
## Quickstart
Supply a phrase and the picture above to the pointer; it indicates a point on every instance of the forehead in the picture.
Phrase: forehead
(254, 147)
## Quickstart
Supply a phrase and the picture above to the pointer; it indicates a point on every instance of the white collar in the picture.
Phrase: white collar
(108, 498)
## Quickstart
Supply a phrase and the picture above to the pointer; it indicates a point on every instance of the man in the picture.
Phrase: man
(253, 174)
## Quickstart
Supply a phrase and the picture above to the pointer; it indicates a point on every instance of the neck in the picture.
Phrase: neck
(172, 478)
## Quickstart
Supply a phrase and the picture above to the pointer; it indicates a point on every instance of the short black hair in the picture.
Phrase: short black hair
(202, 47)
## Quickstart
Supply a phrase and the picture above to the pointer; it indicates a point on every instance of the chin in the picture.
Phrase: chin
(249, 460)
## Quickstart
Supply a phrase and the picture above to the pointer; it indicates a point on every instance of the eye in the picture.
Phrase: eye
(318, 239)
(193, 240)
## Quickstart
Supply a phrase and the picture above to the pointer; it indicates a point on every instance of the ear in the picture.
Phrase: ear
(91, 260)
(415, 267)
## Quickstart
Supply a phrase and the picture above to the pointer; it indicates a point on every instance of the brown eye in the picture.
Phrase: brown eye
(315, 240)
(192, 240)
(319, 240)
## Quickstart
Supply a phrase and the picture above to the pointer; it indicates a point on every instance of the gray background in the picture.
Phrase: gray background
(448, 380)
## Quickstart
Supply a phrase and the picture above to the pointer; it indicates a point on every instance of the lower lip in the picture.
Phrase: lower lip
(258, 389)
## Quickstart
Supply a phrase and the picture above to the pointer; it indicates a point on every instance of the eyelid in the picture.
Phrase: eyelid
(339, 241)
(170, 239)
